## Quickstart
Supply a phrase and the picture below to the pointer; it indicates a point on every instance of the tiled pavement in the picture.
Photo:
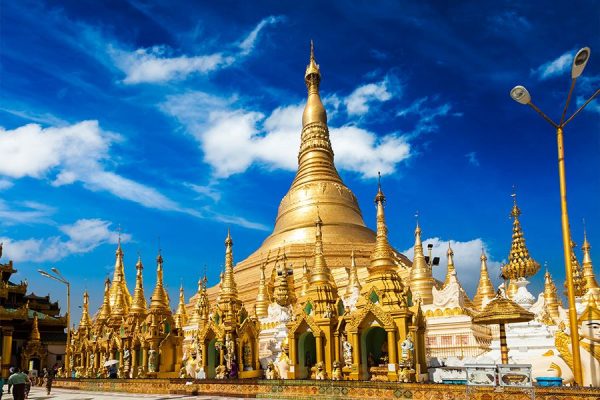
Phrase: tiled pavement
(38, 393)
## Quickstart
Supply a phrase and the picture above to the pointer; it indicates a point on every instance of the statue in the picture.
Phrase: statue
(408, 349)
(270, 372)
(200, 373)
(404, 374)
(230, 350)
(247, 357)
(336, 374)
(589, 346)
(220, 372)
(152, 360)
(233, 370)
(319, 371)
(126, 361)
(328, 311)
(191, 365)
(182, 373)
(347, 352)
(282, 363)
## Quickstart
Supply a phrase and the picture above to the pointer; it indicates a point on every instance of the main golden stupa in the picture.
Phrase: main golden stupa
(317, 188)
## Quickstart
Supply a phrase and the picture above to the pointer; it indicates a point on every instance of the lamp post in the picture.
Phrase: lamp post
(522, 96)
(57, 276)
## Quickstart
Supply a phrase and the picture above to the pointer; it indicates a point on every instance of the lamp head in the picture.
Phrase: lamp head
(55, 270)
(43, 273)
(520, 95)
(579, 62)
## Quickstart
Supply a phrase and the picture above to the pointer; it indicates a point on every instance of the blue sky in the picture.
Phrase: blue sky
(176, 121)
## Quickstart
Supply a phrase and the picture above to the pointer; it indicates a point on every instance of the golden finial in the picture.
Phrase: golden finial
(485, 290)
(551, 300)
(138, 305)
(159, 301)
(421, 279)
(85, 321)
(588, 267)
(520, 264)
(451, 269)
(35, 331)
(181, 313)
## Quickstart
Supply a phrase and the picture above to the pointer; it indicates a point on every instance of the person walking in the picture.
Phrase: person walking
(1, 386)
(18, 381)
(27, 383)
(48, 378)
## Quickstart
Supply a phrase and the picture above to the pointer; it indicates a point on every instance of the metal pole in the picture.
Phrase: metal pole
(567, 254)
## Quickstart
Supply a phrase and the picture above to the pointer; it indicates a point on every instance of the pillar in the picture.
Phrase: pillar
(134, 362)
(145, 359)
(7, 333)
(503, 346)
(204, 355)
(336, 341)
(319, 345)
(392, 345)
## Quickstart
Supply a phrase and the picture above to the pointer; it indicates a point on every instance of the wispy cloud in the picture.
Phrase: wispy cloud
(81, 237)
(69, 154)
(26, 212)
(472, 158)
(357, 103)
(427, 115)
(5, 184)
(509, 21)
(158, 64)
(554, 67)
(40, 118)
(466, 260)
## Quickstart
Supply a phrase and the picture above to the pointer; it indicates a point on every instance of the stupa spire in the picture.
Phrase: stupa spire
(229, 287)
(451, 269)
(421, 279)
(353, 282)
(262, 298)
(588, 267)
(104, 313)
(138, 305)
(485, 290)
(120, 298)
(551, 300)
(305, 279)
(281, 289)
(85, 321)
(322, 289)
(202, 307)
(35, 330)
(181, 317)
(382, 257)
(579, 282)
(159, 302)
(520, 264)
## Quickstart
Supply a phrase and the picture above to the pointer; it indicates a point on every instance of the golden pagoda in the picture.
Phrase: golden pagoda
(421, 277)
(485, 289)
(316, 184)
(552, 302)
(520, 264)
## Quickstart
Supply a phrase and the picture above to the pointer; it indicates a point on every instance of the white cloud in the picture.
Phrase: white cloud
(427, 115)
(26, 212)
(157, 64)
(357, 103)
(554, 67)
(472, 158)
(5, 184)
(466, 260)
(68, 154)
(247, 45)
(81, 237)
(593, 106)
(232, 140)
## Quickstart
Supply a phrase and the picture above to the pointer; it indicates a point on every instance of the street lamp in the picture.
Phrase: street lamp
(57, 276)
(521, 95)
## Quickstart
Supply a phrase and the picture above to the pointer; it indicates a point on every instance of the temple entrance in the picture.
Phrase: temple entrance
(307, 354)
(373, 349)
(34, 363)
(212, 359)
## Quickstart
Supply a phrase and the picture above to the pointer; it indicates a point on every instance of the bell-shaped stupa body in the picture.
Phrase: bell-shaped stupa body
(317, 185)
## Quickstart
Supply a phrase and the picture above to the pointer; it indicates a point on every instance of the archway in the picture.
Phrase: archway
(373, 347)
(307, 354)
(34, 363)
(212, 359)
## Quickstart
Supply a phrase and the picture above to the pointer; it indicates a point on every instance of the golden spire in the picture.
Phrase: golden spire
(520, 264)
(551, 300)
(314, 110)
(262, 298)
(181, 317)
(322, 289)
(202, 308)
(159, 302)
(353, 282)
(138, 305)
(228, 300)
(382, 269)
(421, 279)
(85, 321)
(118, 290)
(588, 267)
(35, 331)
(104, 313)
(451, 270)
(281, 288)
(305, 279)
(485, 289)
(579, 282)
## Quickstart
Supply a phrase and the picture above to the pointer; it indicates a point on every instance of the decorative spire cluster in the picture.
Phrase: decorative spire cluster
(202, 307)
(421, 278)
(485, 290)
(322, 289)
(520, 264)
